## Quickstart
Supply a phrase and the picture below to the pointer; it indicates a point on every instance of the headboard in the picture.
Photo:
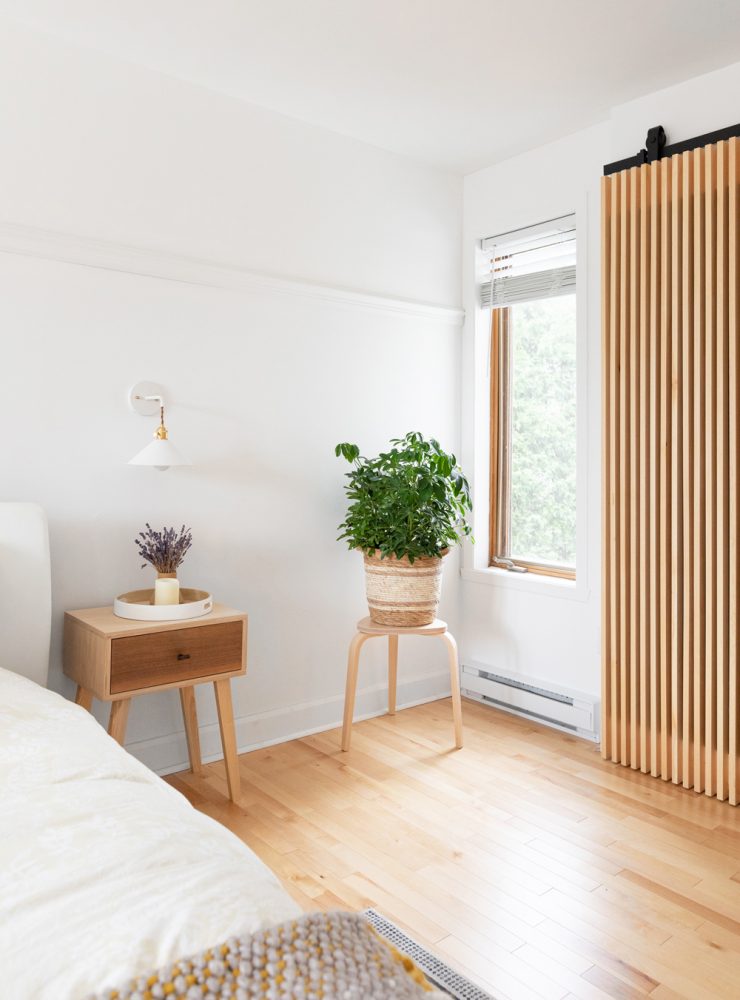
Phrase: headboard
(25, 590)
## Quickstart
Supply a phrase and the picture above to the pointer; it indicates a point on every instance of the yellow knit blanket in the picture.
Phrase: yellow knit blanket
(321, 956)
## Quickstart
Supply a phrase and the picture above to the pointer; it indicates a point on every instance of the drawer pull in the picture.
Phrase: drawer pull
(183, 656)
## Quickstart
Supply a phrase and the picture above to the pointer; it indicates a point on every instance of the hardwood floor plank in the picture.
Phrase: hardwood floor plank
(507, 896)
(660, 911)
(414, 921)
(602, 953)
(664, 993)
(610, 985)
(515, 979)
(483, 972)
(708, 912)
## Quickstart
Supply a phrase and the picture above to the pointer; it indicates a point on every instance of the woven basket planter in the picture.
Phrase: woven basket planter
(402, 593)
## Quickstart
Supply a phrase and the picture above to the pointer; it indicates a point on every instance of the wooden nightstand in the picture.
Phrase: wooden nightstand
(116, 659)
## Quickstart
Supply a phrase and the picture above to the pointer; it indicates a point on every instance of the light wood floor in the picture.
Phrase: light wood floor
(523, 859)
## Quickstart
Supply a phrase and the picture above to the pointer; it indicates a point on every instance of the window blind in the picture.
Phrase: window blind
(538, 262)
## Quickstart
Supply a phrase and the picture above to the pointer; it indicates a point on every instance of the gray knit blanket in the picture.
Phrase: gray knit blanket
(321, 956)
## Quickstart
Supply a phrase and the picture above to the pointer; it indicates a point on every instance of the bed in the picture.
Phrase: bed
(105, 871)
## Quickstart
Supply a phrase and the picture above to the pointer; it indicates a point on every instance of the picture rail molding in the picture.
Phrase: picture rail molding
(108, 255)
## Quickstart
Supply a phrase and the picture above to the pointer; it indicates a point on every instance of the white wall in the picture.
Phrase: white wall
(704, 104)
(264, 378)
(541, 629)
(104, 148)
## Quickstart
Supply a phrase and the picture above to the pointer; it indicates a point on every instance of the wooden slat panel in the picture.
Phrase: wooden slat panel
(614, 472)
(671, 476)
(655, 629)
(606, 494)
(698, 526)
(633, 450)
(624, 480)
(710, 410)
(665, 470)
(676, 555)
(687, 481)
(644, 445)
(722, 427)
(733, 361)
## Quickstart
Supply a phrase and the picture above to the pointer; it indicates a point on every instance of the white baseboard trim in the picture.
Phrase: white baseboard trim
(73, 249)
(167, 754)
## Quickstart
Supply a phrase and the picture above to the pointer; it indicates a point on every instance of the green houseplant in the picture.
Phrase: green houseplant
(407, 508)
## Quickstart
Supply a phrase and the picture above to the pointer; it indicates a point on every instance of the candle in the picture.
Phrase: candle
(166, 592)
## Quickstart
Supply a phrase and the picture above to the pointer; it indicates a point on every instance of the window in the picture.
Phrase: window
(530, 291)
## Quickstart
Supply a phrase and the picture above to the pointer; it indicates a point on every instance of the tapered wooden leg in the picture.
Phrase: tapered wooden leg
(118, 719)
(353, 662)
(84, 697)
(455, 684)
(392, 672)
(190, 717)
(228, 735)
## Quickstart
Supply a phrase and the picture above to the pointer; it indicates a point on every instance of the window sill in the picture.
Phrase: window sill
(530, 583)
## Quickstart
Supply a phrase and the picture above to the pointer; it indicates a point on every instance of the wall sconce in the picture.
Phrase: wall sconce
(146, 398)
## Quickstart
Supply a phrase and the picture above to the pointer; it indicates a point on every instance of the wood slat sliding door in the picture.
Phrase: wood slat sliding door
(671, 441)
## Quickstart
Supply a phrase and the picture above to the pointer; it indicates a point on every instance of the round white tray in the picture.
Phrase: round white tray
(139, 605)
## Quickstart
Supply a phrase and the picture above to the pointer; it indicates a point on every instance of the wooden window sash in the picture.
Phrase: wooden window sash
(500, 319)
(499, 525)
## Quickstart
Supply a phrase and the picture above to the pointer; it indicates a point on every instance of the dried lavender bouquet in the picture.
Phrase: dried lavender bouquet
(164, 549)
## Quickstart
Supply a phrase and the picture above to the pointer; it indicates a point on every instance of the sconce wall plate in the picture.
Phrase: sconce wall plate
(145, 407)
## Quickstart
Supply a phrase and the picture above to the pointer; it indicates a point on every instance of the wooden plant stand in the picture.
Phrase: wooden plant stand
(366, 629)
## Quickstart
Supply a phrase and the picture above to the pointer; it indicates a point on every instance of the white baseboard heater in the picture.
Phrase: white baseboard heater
(564, 709)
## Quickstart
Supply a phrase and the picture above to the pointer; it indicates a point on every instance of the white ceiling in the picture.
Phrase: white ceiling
(456, 83)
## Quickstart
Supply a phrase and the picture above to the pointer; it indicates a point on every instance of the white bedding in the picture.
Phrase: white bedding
(105, 871)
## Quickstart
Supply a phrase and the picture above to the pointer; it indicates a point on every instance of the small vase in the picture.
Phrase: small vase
(166, 589)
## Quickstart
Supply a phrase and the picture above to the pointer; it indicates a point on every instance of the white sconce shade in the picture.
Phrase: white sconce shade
(146, 398)
(161, 453)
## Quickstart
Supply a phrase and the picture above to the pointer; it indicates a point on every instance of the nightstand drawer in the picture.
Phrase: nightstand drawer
(152, 659)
